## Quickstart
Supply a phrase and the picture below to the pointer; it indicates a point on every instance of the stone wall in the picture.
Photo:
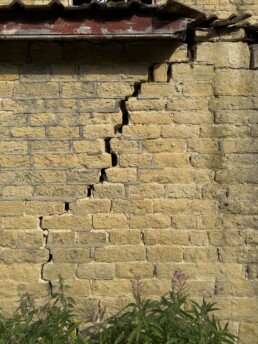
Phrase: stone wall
(125, 159)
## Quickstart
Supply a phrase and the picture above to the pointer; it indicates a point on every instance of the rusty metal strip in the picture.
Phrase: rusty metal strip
(60, 28)
(132, 19)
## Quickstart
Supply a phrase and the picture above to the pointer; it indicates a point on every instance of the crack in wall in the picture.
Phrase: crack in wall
(90, 188)
(50, 256)
(118, 129)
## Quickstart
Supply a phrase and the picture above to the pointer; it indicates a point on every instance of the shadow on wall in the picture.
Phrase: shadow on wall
(82, 52)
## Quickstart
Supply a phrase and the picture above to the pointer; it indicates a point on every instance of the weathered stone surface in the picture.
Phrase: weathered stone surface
(126, 159)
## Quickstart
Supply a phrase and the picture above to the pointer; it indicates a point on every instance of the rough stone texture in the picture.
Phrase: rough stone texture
(100, 182)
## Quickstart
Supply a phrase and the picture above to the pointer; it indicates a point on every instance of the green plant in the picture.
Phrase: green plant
(171, 320)
(53, 323)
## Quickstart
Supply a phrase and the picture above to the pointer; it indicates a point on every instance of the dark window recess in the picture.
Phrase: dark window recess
(254, 56)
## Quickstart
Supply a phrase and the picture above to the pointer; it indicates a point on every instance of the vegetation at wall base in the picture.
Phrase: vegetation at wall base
(171, 320)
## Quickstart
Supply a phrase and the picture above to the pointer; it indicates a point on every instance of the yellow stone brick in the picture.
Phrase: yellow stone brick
(118, 71)
(200, 254)
(240, 146)
(109, 221)
(131, 270)
(95, 271)
(238, 288)
(121, 145)
(150, 221)
(248, 333)
(89, 146)
(184, 221)
(111, 190)
(25, 222)
(166, 237)
(164, 145)
(14, 272)
(6, 177)
(71, 255)
(49, 146)
(106, 288)
(183, 103)
(8, 289)
(166, 175)
(77, 90)
(11, 208)
(150, 117)
(199, 238)
(171, 160)
(157, 90)
(135, 160)
(224, 131)
(114, 89)
(125, 237)
(204, 206)
(52, 271)
(61, 239)
(28, 132)
(8, 239)
(82, 176)
(31, 240)
(236, 82)
(164, 253)
(145, 105)
(150, 190)
(203, 145)
(126, 253)
(192, 73)
(96, 131)
(18, 191)
(8, 118)
(13, 146)
(30, 255)
(63, 132)
(95, 161)
(36, 90)
(55, 161)
(42, 119)
(91, 206)
(121, 175)
(14, 161)
(135, 206)
(92, 238)
(180, 131)
(203, 89)
(154, 287)
(141, 132)
(6, 89)
(40, 176)
(36, 290)
(160, 72)
(191, 117)
(183, 191)
(171, 206)
(67, 221)
(97, 105)
(232, 54)
(222, 238)
(67, 105)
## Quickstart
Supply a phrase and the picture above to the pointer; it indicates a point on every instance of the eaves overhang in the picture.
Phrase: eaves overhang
(97, 20)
